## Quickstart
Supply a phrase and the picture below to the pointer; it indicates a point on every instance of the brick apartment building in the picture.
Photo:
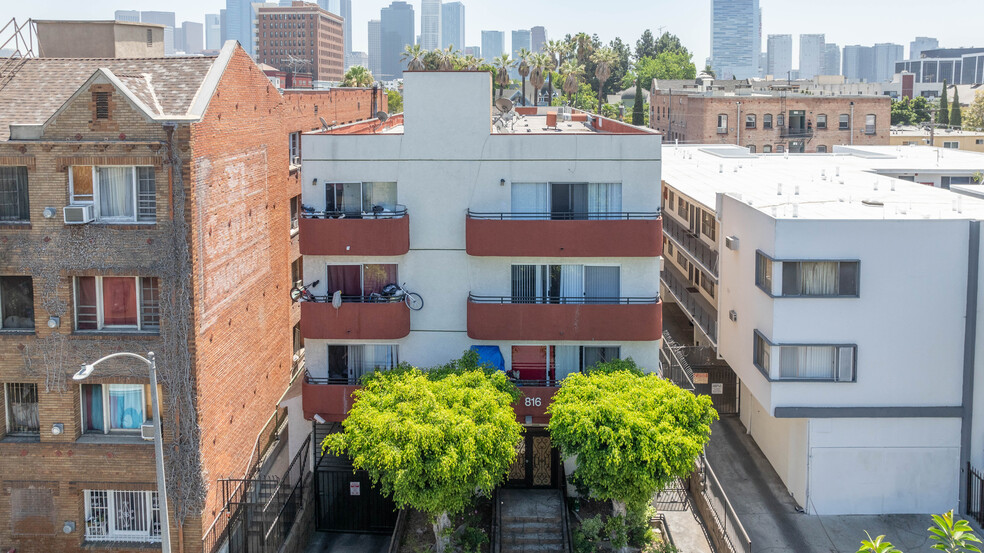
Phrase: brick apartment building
(184, 167)
(304, 32)
(769, 122)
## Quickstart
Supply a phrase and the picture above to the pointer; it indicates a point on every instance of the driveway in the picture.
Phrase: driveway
(770, 515)
(324, 542)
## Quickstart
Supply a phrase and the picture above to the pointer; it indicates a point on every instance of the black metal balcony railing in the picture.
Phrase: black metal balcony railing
(400, 211)
(693, 245)
(702, 317)
(795, 132)
(566, 216)
(577, 300)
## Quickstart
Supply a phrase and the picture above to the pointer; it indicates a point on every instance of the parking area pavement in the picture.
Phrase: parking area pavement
(771, 517)
(324, 542)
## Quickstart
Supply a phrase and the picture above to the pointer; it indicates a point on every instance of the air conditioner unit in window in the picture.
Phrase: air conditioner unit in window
(731, 242)
(295, 160)
(79, 214)
(147, 431)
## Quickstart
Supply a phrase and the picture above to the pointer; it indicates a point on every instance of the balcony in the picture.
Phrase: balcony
(699, 310)
(336, 233)
(795, 132)
(623, 234)
(697, 248)
(581, 319)
(358, 318)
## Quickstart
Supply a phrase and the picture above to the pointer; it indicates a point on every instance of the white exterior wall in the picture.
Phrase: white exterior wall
(446, 162)
(908, 325)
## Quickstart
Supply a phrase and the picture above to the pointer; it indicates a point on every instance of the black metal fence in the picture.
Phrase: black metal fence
(975, 494)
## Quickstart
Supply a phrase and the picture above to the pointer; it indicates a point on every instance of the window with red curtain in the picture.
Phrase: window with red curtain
(85, 304)
(345, 278)
(119, 301)
(375, 276)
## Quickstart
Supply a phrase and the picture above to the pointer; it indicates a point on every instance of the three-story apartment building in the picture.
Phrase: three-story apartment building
(531, 236)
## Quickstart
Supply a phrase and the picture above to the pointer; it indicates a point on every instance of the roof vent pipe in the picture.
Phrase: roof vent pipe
(779, 189)
(720, 167)
(796, 190)
(796, 211)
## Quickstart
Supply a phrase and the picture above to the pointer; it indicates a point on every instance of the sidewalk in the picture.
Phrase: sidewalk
(770, 515)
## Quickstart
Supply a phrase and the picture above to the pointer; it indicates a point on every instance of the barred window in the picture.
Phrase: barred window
(13, 194)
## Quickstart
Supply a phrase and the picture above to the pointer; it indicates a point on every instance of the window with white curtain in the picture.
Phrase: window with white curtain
(831, 363)
(120, 194)
(566, 200)
(819, 278)
(763, 272)
(122, 515)
(565, 284)
(361, 199)
(569, 360)
(349, 363)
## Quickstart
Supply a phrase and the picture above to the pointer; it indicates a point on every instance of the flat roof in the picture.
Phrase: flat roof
(940, 133)
(852, 183)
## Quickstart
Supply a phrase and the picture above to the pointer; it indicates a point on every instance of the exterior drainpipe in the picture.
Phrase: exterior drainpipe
(738, 125)
(970, 343)
(852, 123)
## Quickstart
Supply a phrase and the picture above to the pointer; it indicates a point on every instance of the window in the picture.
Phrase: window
(124, 516)
(295, 203)
(360, 282)
(844, 122)
(565, 284)
(953, 145)
(979, 141)
(16, 303)
(819, 278)
(359, 199)
(722, 123)
(681, 259)
(761, 353)
(568, 360)
(822, 121)
(751, 149)
(22, 409)
(562, 200)
(780, 148)
(117, 303)
(763, 272)
(780, 120)
(767, 121)
(349, 363)
(116, 408)
(708, 285)
(767, 149)
(101, 100)
(13, 194)
(295, 148)
(150, 37)
(296, 271)
(817, 362)
(708, 225)
(750, 121)
(821, 149)
(118, 193)
(869, 124)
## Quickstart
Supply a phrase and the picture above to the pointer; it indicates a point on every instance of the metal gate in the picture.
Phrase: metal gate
(721, 383)
(348, 502)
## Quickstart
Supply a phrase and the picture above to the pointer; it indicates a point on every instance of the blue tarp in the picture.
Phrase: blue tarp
(491, 356)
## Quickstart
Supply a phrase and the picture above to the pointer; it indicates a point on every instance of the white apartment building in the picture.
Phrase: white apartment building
(532, 238)
(857, 360)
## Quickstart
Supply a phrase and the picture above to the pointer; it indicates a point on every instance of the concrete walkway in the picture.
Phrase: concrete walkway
(770, 515)
(326, 542)
(687, 531)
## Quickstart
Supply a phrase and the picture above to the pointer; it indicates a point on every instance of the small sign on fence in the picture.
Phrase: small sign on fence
(355, 488)
(717, 388)
(700, 378)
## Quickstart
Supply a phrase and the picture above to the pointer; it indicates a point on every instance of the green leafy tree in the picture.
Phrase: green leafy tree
(414, 56)
(621, 66)
(646, 46)
(955, 116)
(667, 65)
(943, 115)
(394, 101)
(975, 112)
(710, 70)
(902, 113)
(357, 76)
(632, 434)
(432, 440)
(638, 117)
(920, 110)
(669, 43)
(950, 535)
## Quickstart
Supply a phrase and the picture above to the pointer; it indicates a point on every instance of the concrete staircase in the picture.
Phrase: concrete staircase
(531, 521)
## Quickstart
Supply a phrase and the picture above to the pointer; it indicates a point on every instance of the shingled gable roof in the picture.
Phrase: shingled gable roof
(166, 89)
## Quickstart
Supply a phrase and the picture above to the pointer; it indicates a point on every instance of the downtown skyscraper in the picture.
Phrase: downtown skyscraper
(430, 24)
(396, 26)
(736, 39)
(493, 44)
(779, 56)
(812, 51)
(453, 25)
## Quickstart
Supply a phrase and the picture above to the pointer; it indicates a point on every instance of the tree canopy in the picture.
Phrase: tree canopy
(632, 433)
(974, 118)
(666, 65)
(357, 76)
(432, 439)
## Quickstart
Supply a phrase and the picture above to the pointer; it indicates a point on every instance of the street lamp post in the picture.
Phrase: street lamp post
(151, 363)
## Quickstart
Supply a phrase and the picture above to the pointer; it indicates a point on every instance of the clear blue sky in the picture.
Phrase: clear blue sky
(954, 22)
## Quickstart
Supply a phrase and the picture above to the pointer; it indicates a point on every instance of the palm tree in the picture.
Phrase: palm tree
(538, 63)
(470, 62)
(524, 68)
(604, 59)
(358, 76)
(555, 50)
(502, 64)
(414, 56)
(571, 71)
(446, 58)
(582, 47)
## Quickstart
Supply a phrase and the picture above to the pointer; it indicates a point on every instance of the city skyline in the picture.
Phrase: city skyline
(691, 24)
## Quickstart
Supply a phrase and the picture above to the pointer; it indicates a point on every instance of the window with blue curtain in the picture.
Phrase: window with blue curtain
(126, 406)
(92, 405)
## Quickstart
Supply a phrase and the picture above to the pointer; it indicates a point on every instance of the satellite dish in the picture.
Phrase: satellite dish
(324, 124)
(504, 104)
(382, 116)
